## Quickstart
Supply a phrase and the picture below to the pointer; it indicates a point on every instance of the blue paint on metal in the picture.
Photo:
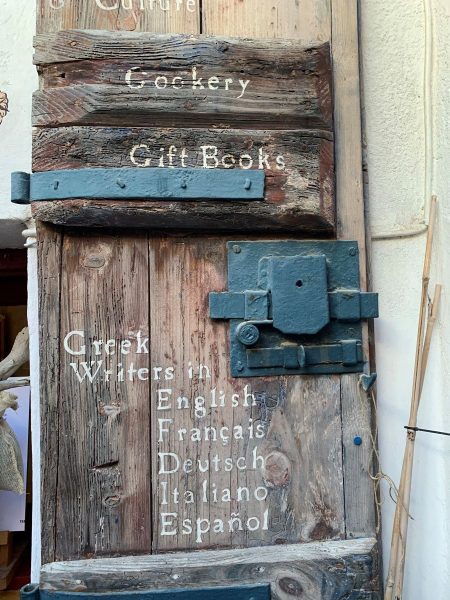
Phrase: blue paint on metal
(298, 287)
(367, 381)
(357, 440)
(30, 592)
(135, 183)
(243, 592)
(301, 297)
(20, 188)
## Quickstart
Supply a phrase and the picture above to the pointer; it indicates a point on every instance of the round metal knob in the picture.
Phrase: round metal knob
(247, 334)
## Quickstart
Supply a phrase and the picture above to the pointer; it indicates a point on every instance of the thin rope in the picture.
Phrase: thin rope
(380, 475)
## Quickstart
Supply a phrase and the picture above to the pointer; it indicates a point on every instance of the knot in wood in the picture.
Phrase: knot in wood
(94, 261)
(291, 586)
(111, 501)
(277, 471)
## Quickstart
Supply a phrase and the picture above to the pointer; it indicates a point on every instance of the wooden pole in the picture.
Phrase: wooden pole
(397, 543)
(399, 576)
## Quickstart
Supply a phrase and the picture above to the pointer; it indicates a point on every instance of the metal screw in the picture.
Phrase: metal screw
(183, 185)
(247, 184)
(56, 185)
(121, 183)
(357, 440)
(236, 249)
(352, 251)
(240, 366)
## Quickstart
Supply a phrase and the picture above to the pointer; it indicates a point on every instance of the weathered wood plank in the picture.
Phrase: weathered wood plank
(301, 19)
(103, 492)
(299, 190)
(151, 80)
(49, 272)
(277, 442)
(325, 571)
(358, 460)
(176, 16)
(335, 21)
(360, 515)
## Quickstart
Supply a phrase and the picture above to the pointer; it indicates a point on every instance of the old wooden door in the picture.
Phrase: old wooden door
(149, 443)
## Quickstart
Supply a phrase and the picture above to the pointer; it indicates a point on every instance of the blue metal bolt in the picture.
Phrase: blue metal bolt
(247, 184)
(352, 251)
(357, 440)
(183, 185)
(236, 249)
(121, 183)
(247, 333)
(240, 366)
(56, 185)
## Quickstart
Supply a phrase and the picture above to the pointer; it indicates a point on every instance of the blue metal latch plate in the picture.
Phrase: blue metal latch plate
(294, 307)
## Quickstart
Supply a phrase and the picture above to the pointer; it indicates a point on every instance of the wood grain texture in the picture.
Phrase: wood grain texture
(103, 489)
(304, 19)
(360, 514)
(325, 571)
(300, 417)
(181, 80)
(49, 273)
(165, 16)
(299, 188)
(357, 419)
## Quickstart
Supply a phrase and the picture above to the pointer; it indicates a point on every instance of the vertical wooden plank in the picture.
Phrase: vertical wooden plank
(292, 457)
(356, 416)
(103, 502)
(49, 271)
(159, 16)
(300, 19)
(358, 460)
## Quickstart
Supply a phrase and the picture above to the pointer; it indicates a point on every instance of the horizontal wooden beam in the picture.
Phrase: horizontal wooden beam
(112, 78)
(298, 167)
(304, 570)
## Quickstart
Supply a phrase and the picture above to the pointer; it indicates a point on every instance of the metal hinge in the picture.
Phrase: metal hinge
(294, 307)
(134, 183)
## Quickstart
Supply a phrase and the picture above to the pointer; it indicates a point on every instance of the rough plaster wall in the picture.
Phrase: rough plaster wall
(407, 132)
(18, 79)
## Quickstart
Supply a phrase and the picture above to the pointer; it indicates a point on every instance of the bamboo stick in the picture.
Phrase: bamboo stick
(399, 576)
(397, 548)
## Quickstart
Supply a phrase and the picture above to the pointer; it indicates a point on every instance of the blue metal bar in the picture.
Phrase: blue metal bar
(243, 592)
(149, 184)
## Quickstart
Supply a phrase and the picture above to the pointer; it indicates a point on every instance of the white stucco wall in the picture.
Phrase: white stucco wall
(405, 55)
(18, 79)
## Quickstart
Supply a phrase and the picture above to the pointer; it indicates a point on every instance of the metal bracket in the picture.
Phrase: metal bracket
(243, 592)
(294, 307)
(150, 184)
